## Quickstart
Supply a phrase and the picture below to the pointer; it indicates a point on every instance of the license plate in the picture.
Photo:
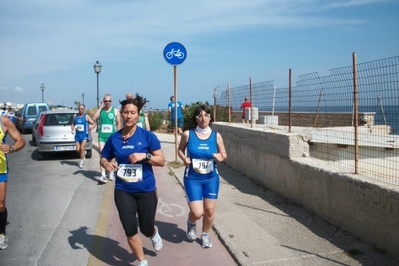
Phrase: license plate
(64, 148)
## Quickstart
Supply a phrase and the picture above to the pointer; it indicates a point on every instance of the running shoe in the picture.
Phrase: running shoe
(81, 164)
(191, 231)
(143, 263)
(102, 179)
(112, 176)
(206, 241)
(3, 241)
(157, 241)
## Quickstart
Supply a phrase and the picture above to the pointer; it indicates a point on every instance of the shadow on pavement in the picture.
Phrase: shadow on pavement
(98, 246)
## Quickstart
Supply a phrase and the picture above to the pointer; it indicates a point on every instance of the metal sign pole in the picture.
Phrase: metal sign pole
(175, 54)
(175, 93)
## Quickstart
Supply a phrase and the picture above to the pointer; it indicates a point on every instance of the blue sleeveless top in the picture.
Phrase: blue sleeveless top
(201, 153)
(81, 125)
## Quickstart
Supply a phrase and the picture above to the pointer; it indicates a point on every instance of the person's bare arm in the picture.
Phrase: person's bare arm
(92, 123)
(118, 119)
(97, 113)
(73, 124)
(181, 150)
(157, 158)
(147, 121)
(12, 131)
(222, 154)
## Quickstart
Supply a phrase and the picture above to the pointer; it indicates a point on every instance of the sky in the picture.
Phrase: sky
(56, 43)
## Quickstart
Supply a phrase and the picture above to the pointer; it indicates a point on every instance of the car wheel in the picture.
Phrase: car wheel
(41, 155)
(88, 153)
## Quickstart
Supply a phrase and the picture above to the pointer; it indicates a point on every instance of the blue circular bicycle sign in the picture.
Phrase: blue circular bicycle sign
(174, 53)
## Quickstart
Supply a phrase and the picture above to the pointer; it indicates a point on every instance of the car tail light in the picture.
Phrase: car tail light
(41, 124)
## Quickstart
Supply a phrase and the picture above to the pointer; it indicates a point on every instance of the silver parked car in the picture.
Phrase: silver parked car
(52, 133)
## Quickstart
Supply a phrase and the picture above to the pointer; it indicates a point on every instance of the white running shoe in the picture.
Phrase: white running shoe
(3, 241)
(206, 241)
(157, 241)
(143, 263)
(112, 176)
(81, 164)
(102, 179)
(191, 232)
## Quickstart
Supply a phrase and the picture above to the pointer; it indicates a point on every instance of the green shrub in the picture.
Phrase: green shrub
(155, 120)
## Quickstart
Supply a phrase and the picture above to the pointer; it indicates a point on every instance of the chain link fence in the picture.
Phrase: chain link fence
(350, 117)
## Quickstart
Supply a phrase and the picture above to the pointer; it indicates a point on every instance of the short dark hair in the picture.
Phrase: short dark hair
(172, 97)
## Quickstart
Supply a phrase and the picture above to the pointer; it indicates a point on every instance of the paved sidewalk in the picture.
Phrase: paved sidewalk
(253, 225)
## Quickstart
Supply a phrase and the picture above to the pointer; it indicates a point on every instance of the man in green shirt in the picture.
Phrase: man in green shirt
(109, 121)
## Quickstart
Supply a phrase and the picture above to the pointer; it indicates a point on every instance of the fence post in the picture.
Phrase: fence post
(228, 100)
(356, 113)
(289, 99)
(252, 102)
(214, 105)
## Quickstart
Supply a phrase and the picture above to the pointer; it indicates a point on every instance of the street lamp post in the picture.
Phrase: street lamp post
(83, 97)
(42, 87)
(97, 69)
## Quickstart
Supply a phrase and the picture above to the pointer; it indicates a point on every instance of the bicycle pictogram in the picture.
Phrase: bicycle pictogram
(170, 210)
(176, 53)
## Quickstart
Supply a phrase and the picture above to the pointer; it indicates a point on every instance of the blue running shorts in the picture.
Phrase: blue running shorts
(197, 189)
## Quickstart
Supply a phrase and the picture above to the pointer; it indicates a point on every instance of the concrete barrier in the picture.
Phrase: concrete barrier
(281, 162)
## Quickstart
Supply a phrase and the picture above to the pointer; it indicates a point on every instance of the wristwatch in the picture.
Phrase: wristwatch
(12, 150)
(148, 156)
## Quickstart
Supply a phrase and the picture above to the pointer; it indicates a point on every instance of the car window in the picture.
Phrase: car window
(51, 120)
(42, 108)
(65, 119)
(32, 110)
(58, 119)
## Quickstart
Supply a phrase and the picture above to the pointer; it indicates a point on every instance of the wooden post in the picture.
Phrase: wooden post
(356, 113)
(289, 100)
(252, 102)
(214, 105)
(228, 100)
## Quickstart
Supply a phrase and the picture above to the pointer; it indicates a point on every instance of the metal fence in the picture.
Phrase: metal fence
(351, 115)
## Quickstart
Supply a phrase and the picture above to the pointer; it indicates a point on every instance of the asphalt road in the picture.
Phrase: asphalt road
(50, 203)
(59, 215)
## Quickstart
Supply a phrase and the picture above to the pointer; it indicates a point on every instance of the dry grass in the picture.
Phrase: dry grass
(176, 164)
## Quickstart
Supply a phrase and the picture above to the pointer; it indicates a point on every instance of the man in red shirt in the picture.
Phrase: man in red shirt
(245, 104)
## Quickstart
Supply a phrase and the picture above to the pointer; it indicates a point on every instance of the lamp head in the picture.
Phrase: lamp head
(97, 67)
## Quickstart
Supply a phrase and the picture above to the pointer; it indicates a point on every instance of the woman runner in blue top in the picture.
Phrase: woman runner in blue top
(205, 148)
(136, 151)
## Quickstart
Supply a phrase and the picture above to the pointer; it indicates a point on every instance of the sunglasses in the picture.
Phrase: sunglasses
(205, 115)
(107, 101)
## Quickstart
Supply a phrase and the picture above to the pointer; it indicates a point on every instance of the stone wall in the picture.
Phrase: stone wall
(307, 119)
(280, 161)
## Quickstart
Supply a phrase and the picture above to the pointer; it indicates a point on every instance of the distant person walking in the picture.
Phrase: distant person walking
(109, 122)
(6, 128)
(129, 95)
(136, 151)
(180, 110)
(205, 148)
(80, 125)
(245, 104)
